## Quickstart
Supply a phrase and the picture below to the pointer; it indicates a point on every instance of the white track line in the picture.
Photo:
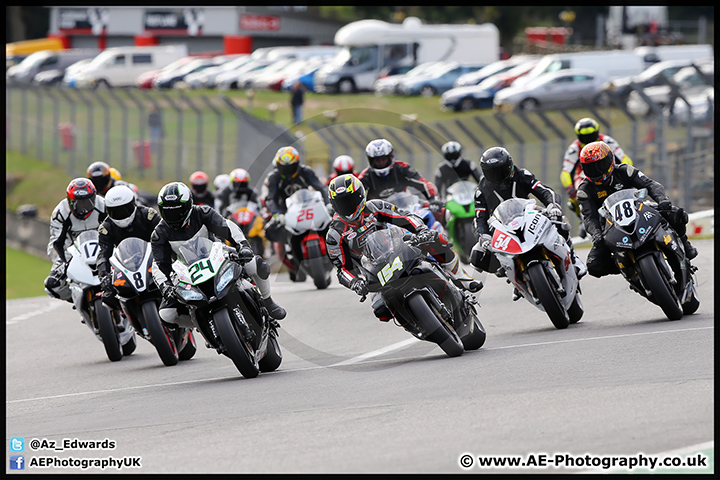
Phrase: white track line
(52, 305)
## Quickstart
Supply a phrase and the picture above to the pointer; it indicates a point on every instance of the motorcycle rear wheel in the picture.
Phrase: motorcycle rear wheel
(548, 297)
(663, 294)
(476, 338)
(109, 334)
(438, 332)
(161, 339)
(235, 345)
(273, 357)
(318, 270)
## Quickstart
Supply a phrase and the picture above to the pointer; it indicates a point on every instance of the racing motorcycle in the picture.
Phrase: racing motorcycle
(109, 326)
(459, 217)
(307, 220)
(536, 259)
(649, 253)
(421, 296)
(225, 306)
(411, 203)
(246, 215)
(140, 298)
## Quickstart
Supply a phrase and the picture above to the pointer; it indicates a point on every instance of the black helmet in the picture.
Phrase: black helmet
(347, 195)
(101, 176)
(497, 165)
(452, 151)
(587, 130)
(175, 204)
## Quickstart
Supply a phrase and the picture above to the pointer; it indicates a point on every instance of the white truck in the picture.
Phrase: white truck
(368, 46)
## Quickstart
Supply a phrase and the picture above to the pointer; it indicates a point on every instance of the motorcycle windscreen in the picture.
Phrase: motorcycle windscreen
(131, 252)
(462, 192)
(510, 210)
(380, 246)
(405, 201)
(195, 249)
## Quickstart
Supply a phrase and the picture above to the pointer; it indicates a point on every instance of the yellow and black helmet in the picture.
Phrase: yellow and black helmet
(587, 130)
(347, 195)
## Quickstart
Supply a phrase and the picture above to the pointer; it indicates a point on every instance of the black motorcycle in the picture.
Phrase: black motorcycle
(140, 298)
(225, 306)
(649, 253)
(421, 296)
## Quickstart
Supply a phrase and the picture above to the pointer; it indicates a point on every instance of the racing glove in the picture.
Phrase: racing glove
(359, 286)
(107, 287)
(665, 205)
(243, 255)
(485, 241)
(168, 290)
(425, 236)
(554, 212)
(279, 218)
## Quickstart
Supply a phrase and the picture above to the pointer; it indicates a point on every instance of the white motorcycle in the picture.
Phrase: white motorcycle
(109, 326)
(307, 219)
(536, 259)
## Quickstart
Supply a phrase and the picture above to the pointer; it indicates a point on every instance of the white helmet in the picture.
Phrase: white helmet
(380, 155)
(344, 164)
(452, 151)
(120, 205)
(221, 181)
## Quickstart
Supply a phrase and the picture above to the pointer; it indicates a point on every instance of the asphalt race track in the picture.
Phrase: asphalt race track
(354, 395)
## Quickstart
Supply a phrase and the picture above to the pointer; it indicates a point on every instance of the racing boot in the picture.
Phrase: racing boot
(516, 295)
(275, 310)
(690, 251)
(460, 277)
(580, 268)
(381, 311)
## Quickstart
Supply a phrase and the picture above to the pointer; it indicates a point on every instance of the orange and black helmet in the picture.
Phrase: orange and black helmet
(598, 162)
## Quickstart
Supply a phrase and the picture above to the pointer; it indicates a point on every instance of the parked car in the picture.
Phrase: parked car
(482, 95)
(702, 108)
(650, 77)
(272, 80)
(45, 60)
(55, 77)
(306, 77)
(169, 79)
(229, 80)
(565, 88)
(389, 85)
(206, 78)
(437, 80)
(688, 81)
(145, 80)
(495, 68)
(245, 80)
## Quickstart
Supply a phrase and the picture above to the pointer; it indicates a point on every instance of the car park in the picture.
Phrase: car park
(170, 79)
(206, 78)
(562, 89)
(389, 85)
(55, 77)
(701, 106)
(688, 80)
(481, 96)
(495, 68)
(437, 80)
(44, 60)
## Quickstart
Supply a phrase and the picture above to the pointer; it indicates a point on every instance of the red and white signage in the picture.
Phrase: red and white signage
(259, 22)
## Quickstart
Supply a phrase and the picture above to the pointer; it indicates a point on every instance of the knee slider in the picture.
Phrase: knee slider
(263, 269)
(52, 282)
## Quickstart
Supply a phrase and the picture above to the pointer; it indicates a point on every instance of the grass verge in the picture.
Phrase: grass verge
(24, 274)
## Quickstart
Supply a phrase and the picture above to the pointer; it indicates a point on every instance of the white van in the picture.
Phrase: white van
(674, 52)
(610, 63)
(120, 66)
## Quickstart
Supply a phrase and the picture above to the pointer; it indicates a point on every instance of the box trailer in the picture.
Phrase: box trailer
(368, 46)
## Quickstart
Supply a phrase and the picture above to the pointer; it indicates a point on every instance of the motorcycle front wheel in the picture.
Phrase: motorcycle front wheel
(663, 295)
(108, 333)
(476, 338)
(235, 344)
(273, 357)
(548, 297)
(437, 330)
(161, 339)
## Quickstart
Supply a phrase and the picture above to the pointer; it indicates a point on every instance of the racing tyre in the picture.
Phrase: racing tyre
(188, 351)
(236, 346)
(129, 346)
(693, 302)
(437, 331)
(575, 312)
(160, 337)
(476, 338)
(321, 274)
(547, 296)
(662, 294)
(108, 333)
(273, 357)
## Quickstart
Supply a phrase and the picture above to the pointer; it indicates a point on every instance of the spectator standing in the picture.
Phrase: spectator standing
(297, 100)
(156, 127)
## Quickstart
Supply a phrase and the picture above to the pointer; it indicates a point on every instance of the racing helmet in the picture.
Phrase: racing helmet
(497, 165)
(380, 156)
(452, 151)
(587, 130)
(239, 179)
(175, 204)
(221, 181)
(598, 162)
(115, 173)
(287, 161)
(344, 164)
(100, 175)
(199, 182)
(347, 195)
(120, 205)
(81, 195)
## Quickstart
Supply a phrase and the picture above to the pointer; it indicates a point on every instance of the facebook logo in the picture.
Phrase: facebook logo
(17, 444)
(17, 462)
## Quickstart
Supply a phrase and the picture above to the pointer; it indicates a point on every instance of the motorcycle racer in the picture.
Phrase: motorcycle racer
(603, 177)
(181, 221)
(356, 217)
(82, 209)
(236, 190)
(454, 168)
